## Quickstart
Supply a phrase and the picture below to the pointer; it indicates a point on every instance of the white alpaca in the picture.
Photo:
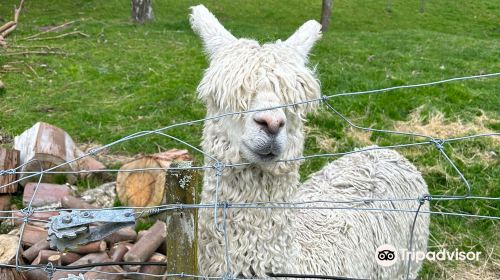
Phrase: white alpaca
(244, 75)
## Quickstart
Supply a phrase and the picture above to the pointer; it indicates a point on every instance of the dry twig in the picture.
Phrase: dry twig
(35, 53)
(51, 29)
(60, 36)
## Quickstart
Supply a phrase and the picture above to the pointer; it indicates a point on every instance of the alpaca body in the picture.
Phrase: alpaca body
(244, 75)
(343, 242)
(336, 242)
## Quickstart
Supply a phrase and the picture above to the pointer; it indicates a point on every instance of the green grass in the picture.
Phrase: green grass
(125, 78)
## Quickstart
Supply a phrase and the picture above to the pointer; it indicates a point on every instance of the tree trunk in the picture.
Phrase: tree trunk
(147, 187)
(142, 10)
(326, 14)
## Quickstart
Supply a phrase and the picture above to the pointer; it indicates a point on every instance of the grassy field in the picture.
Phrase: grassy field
(124, 78)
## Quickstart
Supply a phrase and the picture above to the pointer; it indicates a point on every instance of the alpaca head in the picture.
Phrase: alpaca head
(244, 75)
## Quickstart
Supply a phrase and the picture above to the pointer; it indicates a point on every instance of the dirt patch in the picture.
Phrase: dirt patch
(465, 271)
(436, 125)
(323, 142)
(360, 136)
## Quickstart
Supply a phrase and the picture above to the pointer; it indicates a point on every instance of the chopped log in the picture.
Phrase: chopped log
(38, 217)
(141, 234)
(153, 269)
(65, 258)
(70, 201)
(90, 164)
(118, 251)
(93, 247)
(132, 268)
(8, 249)
(163, 245)
(54, 260)
(87, 259)
(33, 234)
(181, 245)
(5, 204)
(36, 274)
(97, 273)
(9, 159)
(146, 246)
(45, 194)
(146, 188)
(32, 252)
(123, 234)
(46, 146)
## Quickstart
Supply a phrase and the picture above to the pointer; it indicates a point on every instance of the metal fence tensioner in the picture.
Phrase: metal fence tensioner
(71, 229)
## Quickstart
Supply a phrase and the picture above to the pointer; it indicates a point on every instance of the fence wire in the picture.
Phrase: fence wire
(218, 166)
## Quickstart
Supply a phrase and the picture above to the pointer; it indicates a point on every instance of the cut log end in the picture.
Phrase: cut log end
(147, 187)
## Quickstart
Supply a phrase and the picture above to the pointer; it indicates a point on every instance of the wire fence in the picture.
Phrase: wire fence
(218, 166)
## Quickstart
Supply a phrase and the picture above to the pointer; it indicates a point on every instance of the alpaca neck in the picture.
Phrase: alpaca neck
(260, 240)
(249, 184)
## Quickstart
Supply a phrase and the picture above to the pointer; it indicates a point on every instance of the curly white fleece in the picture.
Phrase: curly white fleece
(260, 241)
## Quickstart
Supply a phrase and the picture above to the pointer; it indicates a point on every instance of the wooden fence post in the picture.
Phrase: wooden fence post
(182, 225)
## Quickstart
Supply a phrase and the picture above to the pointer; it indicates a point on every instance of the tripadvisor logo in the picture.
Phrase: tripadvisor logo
(387, 255)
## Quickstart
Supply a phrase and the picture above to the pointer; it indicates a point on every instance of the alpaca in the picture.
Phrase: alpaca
(244, 75)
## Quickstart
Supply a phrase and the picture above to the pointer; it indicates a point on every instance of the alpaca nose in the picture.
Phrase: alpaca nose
(270, 122)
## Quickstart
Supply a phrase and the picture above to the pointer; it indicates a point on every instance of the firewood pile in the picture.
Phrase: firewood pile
(144, 181)
(124, 245)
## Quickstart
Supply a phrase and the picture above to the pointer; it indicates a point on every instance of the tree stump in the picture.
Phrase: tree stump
(8, 249)
(147, 187)
(44, 146)
(9, 159)
(142, 11)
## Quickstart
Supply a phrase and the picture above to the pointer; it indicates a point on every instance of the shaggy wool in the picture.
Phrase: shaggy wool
(281, 240)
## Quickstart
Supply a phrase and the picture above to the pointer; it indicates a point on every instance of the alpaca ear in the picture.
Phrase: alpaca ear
(211, 32)
(304, 38)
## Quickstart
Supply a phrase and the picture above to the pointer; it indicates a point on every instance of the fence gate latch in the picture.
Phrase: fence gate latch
(71, 229)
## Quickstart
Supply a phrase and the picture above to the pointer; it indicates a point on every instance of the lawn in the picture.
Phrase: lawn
(125, 78)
